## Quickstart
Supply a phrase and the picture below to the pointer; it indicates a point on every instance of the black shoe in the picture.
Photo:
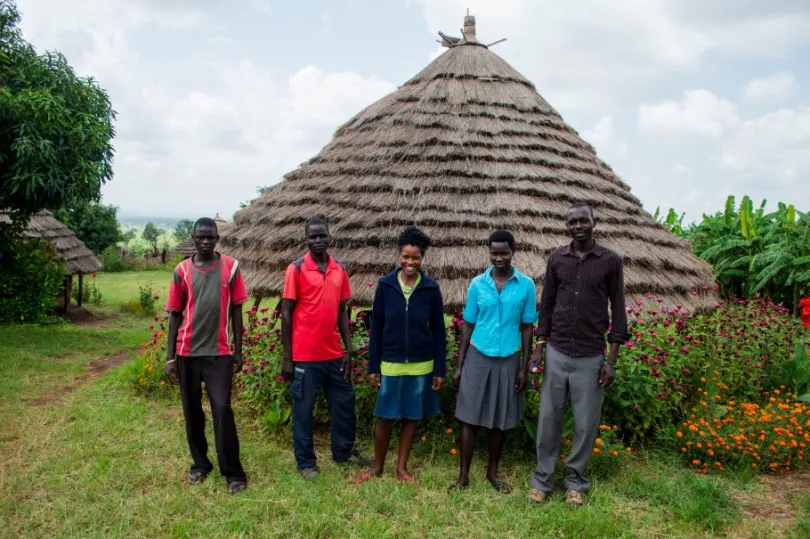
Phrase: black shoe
(309, 473)
(358, 460)
(196, 477)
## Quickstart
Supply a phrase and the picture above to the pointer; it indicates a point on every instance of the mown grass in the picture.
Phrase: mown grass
(119, 288)
(110, 464)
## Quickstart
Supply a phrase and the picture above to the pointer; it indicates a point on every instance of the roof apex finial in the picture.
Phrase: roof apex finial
(469, 28)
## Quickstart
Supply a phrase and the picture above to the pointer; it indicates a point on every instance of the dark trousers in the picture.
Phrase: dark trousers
(217, 373)
(309, 378)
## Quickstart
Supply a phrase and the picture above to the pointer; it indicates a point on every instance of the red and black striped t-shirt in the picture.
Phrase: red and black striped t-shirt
(205, 297)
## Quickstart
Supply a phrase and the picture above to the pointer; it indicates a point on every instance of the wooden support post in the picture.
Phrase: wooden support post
(81, 288)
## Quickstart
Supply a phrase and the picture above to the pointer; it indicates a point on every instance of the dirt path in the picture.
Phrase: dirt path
(773, 505)
(95, 369)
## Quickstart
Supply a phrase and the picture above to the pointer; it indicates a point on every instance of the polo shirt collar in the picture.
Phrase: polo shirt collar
(597, 251)
(311, 265)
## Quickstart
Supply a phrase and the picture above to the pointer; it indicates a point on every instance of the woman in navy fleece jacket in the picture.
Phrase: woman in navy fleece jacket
(407, 351)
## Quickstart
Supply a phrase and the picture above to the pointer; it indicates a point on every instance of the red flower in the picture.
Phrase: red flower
(804, 311)
(94, 275)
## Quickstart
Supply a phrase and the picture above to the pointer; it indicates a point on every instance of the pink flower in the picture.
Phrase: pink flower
(684, 350)
(629, 344)
(280, 378)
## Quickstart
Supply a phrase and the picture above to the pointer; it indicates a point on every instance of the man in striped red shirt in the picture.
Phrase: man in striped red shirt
(205, 298)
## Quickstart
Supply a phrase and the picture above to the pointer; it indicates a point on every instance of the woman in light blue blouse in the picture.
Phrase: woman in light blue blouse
(497, 332)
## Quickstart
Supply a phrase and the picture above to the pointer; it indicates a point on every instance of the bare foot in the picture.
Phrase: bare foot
(405, 475)
(459, 485)
(372, 472)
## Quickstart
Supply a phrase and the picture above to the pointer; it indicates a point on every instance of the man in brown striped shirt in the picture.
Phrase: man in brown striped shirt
(584, 282)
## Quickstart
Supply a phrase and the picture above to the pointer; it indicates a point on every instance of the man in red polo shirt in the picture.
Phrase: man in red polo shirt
(205, 298)
(316, 289)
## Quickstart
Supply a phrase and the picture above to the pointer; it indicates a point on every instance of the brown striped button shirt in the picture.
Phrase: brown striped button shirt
(574, 313)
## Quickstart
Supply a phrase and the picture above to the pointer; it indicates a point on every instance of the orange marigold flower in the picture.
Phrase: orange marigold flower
(449, 431)
(597, 451)
(615, 453)
(679, 434)
(453, 451)
(599, 442)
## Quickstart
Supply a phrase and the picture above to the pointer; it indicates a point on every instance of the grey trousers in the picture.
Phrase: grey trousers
(579, 378)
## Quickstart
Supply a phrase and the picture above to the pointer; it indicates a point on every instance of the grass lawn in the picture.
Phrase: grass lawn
(119, 288)
(102, 462)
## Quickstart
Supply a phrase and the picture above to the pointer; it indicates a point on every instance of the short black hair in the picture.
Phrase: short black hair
(413, 236)
(582, 205)
(502, 236)
(205, 221)
(315, 221)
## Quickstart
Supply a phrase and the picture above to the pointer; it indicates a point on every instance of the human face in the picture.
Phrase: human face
(205, 240)
(410, 260)
(500, 255)
(580, 224)
(318, 239)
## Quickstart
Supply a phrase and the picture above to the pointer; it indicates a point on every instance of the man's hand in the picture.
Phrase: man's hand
(238, 362)
(438, 383)
(374, 380)
(608, 374)
(287, 369)
(171, 371)
(520, 383)
(538, 357)
(346, 366)
(457, 376)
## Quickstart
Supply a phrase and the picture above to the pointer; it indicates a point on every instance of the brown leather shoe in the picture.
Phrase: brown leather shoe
(573, 497)
(537, 496)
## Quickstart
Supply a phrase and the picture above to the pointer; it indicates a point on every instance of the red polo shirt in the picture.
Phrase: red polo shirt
(317, 297)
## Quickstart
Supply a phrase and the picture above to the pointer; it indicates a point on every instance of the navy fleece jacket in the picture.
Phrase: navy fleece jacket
(407, 332)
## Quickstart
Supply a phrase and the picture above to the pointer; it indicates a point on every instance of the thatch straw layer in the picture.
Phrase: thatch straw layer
(78, 258)
(463, 148)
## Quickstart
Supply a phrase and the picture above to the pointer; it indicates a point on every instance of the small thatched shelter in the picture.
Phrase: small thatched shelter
(463, 148)
(79, 260)
(186, 247)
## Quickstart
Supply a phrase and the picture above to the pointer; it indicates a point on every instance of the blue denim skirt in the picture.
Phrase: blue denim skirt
(406, 397)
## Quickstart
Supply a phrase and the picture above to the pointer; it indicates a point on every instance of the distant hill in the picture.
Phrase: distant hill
(140, 220)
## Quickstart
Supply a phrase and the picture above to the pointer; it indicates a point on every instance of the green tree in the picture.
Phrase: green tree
(151, 234)
(183, 229)
(55, 127)
(95, 224)
(129, 235)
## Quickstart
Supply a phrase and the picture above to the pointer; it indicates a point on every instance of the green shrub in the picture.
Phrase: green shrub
(32, 276)
(113, 262)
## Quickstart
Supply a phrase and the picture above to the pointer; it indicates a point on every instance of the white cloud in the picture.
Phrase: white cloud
(777, 87)
(680, 169)
(603, 137)
(699, 113)
(772, 149)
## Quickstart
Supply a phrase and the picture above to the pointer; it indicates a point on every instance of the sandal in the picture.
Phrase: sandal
(537, 496)
(574, 498)
(407, 479)
(362, 477)
(236, 486)
(196, 478)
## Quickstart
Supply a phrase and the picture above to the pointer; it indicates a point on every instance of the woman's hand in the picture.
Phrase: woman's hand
(374, 380)
(438, 383)
(457, 377)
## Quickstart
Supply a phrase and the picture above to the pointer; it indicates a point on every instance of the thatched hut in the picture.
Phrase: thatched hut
(463, 148)
(79, 260)
(186, 247)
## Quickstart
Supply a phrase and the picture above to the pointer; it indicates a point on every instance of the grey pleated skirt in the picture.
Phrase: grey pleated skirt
(486, 394)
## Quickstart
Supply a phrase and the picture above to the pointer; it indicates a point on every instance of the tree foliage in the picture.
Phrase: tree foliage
(55, 127)
(95, 224)
(151, 233)
(183, 229)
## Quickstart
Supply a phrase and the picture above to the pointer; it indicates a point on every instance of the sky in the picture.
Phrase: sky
(689, 101)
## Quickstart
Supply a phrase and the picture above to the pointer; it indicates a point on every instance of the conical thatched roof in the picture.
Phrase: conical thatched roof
(78, 258)
(186, 247)
(463, 148)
